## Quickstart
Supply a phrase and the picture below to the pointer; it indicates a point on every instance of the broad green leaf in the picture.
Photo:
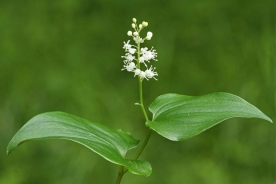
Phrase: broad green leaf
(179, 117)
(108, 143)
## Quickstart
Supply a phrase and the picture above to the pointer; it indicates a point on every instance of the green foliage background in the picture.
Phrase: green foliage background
(65, 55)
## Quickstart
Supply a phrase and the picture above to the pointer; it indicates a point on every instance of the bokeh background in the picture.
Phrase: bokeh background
(66, 55)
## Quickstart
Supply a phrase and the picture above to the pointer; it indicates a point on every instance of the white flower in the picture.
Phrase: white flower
(150, 73)
(138, 38)
(127, 46)
(129, 66)
(149, 54)
(131, 50)
(129, 57)
(137, 72)
(144, 50)
(142, 75)
(142, 59)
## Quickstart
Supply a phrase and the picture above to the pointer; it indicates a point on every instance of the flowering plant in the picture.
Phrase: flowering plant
(175, 117)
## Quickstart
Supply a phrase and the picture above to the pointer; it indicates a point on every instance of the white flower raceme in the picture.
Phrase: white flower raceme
(143, 54)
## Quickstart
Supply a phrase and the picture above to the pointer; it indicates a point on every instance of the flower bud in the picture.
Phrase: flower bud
(135, 33)
(134, 20)
(129, 33)
(149, 34)
(133, 25)
(145, 24)
(148, 37)
(140, 26)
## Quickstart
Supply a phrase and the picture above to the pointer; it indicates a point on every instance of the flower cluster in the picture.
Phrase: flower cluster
(144, 54)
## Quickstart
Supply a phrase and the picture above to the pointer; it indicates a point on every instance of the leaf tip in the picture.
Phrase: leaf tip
(268, 119)
(8, 152)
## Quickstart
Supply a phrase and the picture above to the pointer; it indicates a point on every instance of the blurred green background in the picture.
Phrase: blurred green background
(66, 55)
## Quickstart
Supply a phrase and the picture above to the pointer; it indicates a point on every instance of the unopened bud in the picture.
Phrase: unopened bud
(133, 25)
(129, 33)
(135, 33)
(145, 24)
(134, 20)
(149, 34)
(148, 37)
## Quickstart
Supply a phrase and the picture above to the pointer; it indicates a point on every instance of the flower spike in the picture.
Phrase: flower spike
(143, 54)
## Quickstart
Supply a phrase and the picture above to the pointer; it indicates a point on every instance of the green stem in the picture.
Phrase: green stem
(142, 106)
(143, 145)
(140, 84)
(123, 170)
(141, 100)
(120, 175)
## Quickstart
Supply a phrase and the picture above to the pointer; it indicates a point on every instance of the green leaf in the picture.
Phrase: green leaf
(108, 143)
(179, 117)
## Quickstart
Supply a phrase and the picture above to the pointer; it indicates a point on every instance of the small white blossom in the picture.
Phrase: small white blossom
(127, 46)
(142, 59)
(149, 54)
(138, 38)
(129, 66)
(135, 33)
(144, 50)
(150, 73)
(140, 26)
(137, 72)
(131, 50)
(134, 20)
(129, 57)
(142, 75)
(153, 54)
(133, 25)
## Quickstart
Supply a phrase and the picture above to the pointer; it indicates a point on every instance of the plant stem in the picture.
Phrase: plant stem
(120, 175)
(143, 145)
(140, 84)
(141, 100)
(142, 106)
(123, 170)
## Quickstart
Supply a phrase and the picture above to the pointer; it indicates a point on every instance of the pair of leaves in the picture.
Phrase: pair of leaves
(175, 117)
